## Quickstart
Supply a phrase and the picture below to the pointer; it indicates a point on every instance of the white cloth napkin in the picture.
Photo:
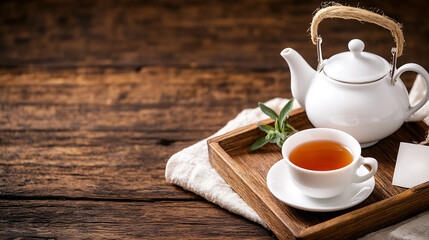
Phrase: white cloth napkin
(191, 169)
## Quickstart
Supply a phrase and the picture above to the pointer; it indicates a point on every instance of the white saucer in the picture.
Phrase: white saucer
(282, 187)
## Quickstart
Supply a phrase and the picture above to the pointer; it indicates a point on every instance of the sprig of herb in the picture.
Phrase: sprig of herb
(281, 130)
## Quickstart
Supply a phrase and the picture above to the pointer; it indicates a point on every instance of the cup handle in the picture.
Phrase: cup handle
(365, 161)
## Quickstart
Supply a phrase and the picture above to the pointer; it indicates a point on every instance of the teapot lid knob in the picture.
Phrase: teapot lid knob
(356, 46)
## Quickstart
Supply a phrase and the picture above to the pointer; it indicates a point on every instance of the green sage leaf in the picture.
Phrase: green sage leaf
(276, 124)
(292, 129)
(259, 143)
(286, 110)
(274, 139)
(281, 130)
(271, 135)
(270, 112)
(279, 142)
(265, 128)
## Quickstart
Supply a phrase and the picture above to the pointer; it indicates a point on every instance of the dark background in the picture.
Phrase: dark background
(95, 96)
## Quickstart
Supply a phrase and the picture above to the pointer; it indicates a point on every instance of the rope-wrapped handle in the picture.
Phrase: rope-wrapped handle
(345, 12)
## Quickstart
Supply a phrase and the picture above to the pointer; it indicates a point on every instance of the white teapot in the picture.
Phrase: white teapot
(355, 91)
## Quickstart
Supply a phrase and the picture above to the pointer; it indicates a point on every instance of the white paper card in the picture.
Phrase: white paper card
(412, 165)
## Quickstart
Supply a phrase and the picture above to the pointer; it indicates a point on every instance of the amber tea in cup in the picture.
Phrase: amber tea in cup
(321, 155)
(323, 162)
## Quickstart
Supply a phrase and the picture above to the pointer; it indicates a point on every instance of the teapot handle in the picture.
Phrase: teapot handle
(346, 12)
(412, 67)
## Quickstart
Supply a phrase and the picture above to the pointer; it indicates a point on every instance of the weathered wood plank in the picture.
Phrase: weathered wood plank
(114, 220)
(237, 34)
(108, 133)
(148, 85)
(153, 98)
(114, 165)
(113, 170)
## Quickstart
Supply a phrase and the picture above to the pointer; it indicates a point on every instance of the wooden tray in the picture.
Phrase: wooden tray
(246, 173)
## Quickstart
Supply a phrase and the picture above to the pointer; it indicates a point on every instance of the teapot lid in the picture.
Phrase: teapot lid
(356, 66)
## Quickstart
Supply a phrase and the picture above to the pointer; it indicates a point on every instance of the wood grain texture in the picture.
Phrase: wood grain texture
(122, 100)
(95, 96)
(246, 173)
(89, 133)
(55, 219)
(232, 34)
(104, 136)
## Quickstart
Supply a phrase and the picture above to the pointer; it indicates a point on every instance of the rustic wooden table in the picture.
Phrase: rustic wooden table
(95, 97)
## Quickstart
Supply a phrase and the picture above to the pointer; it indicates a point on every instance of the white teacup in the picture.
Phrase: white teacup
(326, 184)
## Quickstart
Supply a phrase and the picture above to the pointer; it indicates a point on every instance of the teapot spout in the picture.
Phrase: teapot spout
(301, 74)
